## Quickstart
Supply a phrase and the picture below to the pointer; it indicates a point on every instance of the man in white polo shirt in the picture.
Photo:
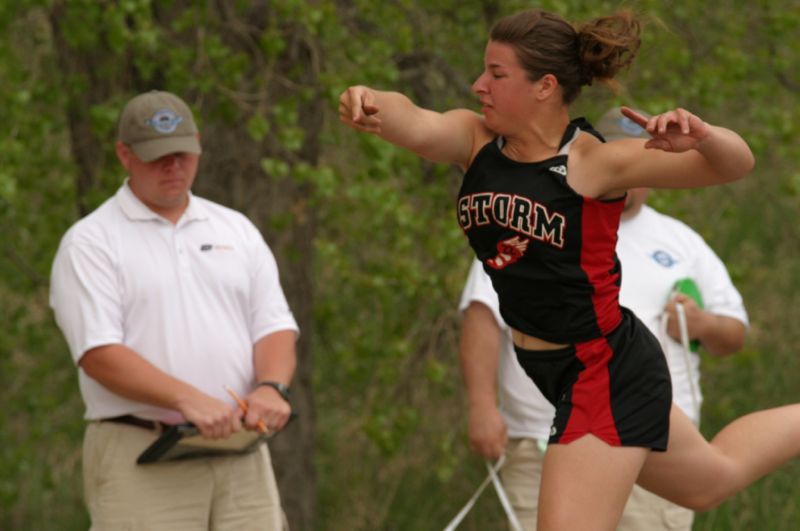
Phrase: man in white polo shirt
(656, 252)
(164, 299)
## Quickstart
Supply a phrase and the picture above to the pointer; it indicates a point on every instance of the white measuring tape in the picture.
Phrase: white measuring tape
(501, 494)
(683, 328)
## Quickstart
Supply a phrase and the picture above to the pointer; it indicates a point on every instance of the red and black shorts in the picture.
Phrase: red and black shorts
(616, 387)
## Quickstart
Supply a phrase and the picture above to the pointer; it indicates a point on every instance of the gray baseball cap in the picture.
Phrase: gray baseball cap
(614, 125)
(158, 123)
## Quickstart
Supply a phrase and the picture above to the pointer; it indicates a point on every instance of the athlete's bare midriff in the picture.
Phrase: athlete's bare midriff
(533, 343)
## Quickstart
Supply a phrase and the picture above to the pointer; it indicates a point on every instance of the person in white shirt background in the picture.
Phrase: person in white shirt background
(164, 298)
(656, 252)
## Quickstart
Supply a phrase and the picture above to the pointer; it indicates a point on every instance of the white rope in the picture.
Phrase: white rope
(501, 493)
(685, 342)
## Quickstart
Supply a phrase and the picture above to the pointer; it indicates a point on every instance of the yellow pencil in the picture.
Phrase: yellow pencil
(261, 426)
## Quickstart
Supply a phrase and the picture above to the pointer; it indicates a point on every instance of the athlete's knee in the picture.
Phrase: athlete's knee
(711, 494)
(702, 502)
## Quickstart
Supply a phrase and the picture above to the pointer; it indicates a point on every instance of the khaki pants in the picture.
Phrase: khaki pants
(219, 493)
(643, 512)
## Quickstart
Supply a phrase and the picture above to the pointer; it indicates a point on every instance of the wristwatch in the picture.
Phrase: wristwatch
(283, 390)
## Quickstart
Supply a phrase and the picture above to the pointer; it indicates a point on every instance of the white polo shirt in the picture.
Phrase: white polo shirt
(655, 251)
(191, 298)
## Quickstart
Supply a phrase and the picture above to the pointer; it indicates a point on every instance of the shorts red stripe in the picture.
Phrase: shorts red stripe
(591, 395)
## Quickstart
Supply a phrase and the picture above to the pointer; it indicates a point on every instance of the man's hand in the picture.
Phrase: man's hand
(720, 335)
(696, 318)
(487, 432)
(214, 418)
(265, 403)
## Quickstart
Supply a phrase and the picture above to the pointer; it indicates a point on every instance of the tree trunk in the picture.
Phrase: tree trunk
(282, 209)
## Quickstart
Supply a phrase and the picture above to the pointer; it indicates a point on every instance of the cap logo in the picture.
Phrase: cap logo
(164, 121)
(630, 127)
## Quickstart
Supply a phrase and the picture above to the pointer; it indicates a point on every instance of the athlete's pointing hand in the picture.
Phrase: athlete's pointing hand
(357, 109)
(675, 131)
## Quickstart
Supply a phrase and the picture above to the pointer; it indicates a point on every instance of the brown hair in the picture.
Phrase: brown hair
(547, 44)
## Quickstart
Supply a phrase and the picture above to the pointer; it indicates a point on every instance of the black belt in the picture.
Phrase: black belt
(136, 421)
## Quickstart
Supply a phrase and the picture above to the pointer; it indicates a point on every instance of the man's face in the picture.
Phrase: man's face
(633, 202)
(162, 184)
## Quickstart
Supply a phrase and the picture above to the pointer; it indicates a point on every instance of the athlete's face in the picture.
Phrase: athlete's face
(163, 184)
(504, 89)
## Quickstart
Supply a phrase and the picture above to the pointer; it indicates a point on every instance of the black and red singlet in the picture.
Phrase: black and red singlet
(549, 251)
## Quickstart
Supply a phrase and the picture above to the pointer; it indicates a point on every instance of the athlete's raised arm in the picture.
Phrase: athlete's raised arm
(684, 152)
(448, 137)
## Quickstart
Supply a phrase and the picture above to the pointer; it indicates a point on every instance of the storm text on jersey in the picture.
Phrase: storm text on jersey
(515, 212)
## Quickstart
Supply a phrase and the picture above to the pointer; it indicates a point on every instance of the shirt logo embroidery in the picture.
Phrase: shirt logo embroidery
(211, 247)
(663, 258)
(560, 169)
(509, 251)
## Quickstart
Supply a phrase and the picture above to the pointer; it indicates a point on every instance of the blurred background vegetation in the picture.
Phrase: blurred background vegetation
(370, 254)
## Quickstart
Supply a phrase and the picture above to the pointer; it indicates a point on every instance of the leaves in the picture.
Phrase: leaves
(388, 257)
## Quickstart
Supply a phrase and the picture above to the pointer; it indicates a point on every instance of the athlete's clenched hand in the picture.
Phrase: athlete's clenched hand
(357, 109)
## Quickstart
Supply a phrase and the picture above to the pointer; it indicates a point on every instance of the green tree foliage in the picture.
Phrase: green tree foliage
(365, 233)
(39, 428)
(238, 63)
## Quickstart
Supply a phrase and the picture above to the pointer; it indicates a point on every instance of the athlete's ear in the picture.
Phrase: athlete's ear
(546, 86)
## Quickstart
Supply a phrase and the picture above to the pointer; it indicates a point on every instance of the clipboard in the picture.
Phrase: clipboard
(184, 441)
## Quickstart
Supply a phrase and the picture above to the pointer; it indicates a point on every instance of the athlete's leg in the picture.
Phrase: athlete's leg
(586, 483)
(647, 512)
(700, 475)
